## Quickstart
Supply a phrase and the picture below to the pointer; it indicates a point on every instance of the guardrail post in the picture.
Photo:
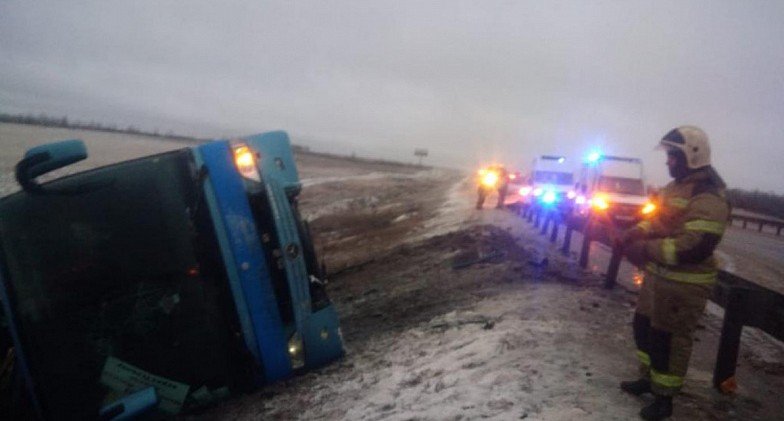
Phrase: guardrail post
(778, 230)
(744, 224)
(729, 343)
(760, 227)
(554, 234)
(548, 217)
(586, 247)
(530, 213)
(612, 269)
(567, 245)
(537, 217)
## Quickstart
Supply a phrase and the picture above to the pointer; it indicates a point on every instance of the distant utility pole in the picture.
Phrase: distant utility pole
(421, 153)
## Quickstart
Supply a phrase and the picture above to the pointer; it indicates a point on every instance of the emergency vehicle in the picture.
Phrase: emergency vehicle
(614, 187)
(549, 183)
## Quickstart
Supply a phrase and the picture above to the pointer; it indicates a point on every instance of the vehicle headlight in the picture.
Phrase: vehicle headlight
(245, 160)
(490, 179)
(296, 351)
(648, 209)
(549, 197)
(600, 202)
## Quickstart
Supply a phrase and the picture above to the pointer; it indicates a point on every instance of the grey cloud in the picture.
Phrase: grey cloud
(471, 81)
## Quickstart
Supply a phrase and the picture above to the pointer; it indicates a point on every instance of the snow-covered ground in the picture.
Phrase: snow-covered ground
(499, 340)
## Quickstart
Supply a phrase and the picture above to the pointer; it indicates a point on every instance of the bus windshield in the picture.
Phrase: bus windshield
(119, 287)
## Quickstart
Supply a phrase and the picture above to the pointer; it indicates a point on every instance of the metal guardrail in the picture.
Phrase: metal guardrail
(760, 222)
(745, 303)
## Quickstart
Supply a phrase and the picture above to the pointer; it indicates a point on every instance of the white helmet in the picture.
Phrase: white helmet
(692, 141)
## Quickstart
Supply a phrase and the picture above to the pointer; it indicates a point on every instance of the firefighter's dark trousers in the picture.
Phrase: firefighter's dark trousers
(664, 322)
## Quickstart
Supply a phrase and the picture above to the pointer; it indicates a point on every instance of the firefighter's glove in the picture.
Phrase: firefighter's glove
(632, 235)
(636, 253)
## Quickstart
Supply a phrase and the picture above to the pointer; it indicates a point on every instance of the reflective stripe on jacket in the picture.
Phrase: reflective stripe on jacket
(693, 214)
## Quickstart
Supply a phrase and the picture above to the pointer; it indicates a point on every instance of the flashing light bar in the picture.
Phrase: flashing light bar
(594, 157)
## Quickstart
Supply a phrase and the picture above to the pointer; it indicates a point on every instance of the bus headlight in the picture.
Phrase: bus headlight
(296, 351)
(245, 160)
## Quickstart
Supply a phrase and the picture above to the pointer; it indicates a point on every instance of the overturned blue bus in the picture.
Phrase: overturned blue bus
(162, 284)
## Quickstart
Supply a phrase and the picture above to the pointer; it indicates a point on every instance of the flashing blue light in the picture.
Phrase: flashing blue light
(549, 197)
(593, 157)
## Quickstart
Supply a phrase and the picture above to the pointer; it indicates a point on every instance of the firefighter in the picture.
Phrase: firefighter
(492, 178)
(675, 248)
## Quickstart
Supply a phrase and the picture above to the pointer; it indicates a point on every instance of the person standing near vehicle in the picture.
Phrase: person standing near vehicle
(675, 248)
(493, 177)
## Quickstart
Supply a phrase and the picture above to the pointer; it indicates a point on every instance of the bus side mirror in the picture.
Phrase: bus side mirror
(46, 158)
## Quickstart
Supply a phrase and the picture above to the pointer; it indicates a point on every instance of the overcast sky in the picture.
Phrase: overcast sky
(471, 81)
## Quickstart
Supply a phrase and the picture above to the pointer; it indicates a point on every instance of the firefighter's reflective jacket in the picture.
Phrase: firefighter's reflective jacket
(691, 221)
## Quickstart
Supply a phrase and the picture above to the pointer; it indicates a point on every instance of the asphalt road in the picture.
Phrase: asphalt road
(758, 257)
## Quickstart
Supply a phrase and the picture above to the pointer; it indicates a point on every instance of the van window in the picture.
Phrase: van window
(553, 177)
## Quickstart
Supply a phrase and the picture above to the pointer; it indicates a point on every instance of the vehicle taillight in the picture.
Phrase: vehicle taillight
(245, 159)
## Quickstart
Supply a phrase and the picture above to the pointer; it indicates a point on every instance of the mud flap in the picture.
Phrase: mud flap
(322, 338)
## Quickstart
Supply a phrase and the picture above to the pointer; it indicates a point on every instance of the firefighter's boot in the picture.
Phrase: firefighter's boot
(660, 409)
(637, 387)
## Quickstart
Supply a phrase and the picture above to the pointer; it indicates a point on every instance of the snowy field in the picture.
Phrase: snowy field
(103, 148)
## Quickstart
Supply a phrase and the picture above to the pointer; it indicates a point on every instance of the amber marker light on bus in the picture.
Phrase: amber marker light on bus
(648, 209)
(245, 159)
